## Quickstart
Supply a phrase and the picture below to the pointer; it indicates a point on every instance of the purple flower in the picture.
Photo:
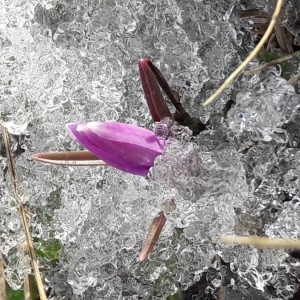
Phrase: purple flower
(126, 147)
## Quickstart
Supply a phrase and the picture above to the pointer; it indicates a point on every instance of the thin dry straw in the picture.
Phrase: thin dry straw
(261, 242)
(22, 211)
(252, 54)
(2, 279)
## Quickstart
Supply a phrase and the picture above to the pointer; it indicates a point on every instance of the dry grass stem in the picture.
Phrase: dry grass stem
(272, 63)
(27, 295)
(22, 212)
(283, 39)
(294, 80)
(30, 288)
(261, 242)
(2, 279)
(250, 57)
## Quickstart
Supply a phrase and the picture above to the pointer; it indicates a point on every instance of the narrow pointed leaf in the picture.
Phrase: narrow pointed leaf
(69, 158)
(181, 116)
(156, 103)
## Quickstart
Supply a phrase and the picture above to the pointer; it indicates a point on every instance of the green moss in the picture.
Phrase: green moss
(14, 294)
(267, 56)
(48, 249)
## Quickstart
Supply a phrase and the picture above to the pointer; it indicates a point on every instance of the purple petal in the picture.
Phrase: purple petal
(126, 147)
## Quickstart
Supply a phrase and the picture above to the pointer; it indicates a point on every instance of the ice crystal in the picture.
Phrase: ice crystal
(77, 61)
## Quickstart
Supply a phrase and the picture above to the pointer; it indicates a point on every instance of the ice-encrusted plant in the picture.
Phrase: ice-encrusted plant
(99, 205)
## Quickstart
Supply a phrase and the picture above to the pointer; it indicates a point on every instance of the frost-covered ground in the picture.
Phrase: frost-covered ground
(77, 61)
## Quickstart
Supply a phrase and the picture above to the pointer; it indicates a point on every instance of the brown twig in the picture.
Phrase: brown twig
(272, 63)
(243, 65)
(283, 39)
(22, 212)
